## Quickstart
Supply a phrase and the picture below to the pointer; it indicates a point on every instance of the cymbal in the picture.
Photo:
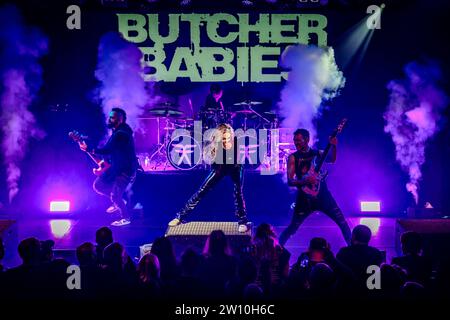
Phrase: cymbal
(244, 111)
(165, 112)
(247, 103)
(214, 110)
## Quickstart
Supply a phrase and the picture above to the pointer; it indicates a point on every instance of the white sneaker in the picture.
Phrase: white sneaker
(175, 222)
(243, 228)
(121, 222)
(112, 209)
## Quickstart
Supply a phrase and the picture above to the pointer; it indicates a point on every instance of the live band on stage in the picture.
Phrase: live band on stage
(225, 153)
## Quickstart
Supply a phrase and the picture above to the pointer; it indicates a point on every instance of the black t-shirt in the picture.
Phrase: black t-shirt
(303, 161)
(211, 103)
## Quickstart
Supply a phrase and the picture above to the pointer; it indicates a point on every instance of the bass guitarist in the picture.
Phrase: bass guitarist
(121, 152)
(301, 176)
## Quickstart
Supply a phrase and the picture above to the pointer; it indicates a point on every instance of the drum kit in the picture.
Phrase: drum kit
(243, 116)
(169, 117)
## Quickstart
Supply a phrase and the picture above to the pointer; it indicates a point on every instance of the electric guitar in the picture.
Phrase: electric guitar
(312, 190)
(102, 165)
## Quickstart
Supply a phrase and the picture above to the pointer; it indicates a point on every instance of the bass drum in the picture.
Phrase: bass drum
(184, 152)
(211, 118)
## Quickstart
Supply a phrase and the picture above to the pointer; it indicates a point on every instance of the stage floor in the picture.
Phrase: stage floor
(69, 232)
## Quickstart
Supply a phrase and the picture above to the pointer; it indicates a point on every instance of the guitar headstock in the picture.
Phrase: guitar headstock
(76, 136)
(340, 127)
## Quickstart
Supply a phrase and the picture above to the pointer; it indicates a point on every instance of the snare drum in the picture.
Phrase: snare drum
(208, 119)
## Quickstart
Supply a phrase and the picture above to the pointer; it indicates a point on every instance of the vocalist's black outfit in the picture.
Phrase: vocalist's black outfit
(228, 167)
(122, 156)
(305, 205)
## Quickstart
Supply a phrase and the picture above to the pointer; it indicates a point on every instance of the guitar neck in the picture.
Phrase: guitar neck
(322, 159)
(327, 149)
(77, 137)
(93, 157)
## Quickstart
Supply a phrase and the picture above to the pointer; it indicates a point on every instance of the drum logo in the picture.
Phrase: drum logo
(184, 152)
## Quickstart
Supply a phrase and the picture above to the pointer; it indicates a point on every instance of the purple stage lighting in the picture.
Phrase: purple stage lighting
(59, 206)
(370, 206)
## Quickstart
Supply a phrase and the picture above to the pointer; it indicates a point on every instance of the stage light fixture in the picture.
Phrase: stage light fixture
(59, 206)
(370, 206)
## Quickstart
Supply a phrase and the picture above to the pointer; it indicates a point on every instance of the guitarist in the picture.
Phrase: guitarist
(120, 150)
(299, 164)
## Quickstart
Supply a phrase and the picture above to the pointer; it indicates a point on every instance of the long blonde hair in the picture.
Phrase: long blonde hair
(217, 137)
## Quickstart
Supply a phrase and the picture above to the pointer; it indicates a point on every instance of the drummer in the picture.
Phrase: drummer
(214, 99)
(214, 112)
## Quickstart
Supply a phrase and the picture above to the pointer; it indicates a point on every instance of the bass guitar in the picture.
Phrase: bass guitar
(102, 165)
(312, 190)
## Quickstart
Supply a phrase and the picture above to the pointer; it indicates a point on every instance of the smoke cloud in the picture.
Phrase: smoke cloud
(314, 78)
(21, 47)
(119, 72)
(412, 116)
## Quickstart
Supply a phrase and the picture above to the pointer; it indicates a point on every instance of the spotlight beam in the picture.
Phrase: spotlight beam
(353, 44)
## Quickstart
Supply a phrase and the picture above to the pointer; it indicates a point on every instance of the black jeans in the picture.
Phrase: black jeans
(305, 205)
(114, 187)
(236, 173)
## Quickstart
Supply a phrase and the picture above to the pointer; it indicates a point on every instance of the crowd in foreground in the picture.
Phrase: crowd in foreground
(261, 272)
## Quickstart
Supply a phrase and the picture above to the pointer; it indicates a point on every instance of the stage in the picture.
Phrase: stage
(159, 195)
(210, 114)
(70, 232)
